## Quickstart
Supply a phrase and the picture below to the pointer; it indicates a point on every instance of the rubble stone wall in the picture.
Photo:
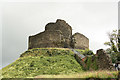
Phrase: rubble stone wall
(80, 41)
(58, 34)
(46, 39)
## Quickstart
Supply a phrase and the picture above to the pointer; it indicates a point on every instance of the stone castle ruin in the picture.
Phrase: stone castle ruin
(59, 35)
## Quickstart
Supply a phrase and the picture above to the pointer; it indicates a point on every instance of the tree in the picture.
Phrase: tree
(119, 45)
(114, 43)
(119, 40)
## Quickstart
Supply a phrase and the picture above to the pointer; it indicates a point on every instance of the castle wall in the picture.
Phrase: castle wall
(80, 41)
(46, 39)
(58, 34)
(64, 28)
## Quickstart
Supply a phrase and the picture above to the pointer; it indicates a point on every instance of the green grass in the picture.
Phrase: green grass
(91, 63)
(85, 52)
(47, 52)
(90, 60)
(53, 63)
(86, 74)
(42, 62)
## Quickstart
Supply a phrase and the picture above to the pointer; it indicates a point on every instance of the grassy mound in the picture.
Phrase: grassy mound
(40, 61)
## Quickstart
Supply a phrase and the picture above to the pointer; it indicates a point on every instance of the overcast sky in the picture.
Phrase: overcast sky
(25, 18)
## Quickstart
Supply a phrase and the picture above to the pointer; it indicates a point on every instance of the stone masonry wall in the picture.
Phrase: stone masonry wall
(58, 34)
(64, 28)
(79, 41)
(104, 62)
(46, 39)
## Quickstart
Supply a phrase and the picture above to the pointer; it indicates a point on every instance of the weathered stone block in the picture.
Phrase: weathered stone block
(79, 41)
(103, 60)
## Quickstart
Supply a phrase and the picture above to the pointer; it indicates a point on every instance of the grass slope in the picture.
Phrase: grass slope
(86, 74)
(42, 61)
